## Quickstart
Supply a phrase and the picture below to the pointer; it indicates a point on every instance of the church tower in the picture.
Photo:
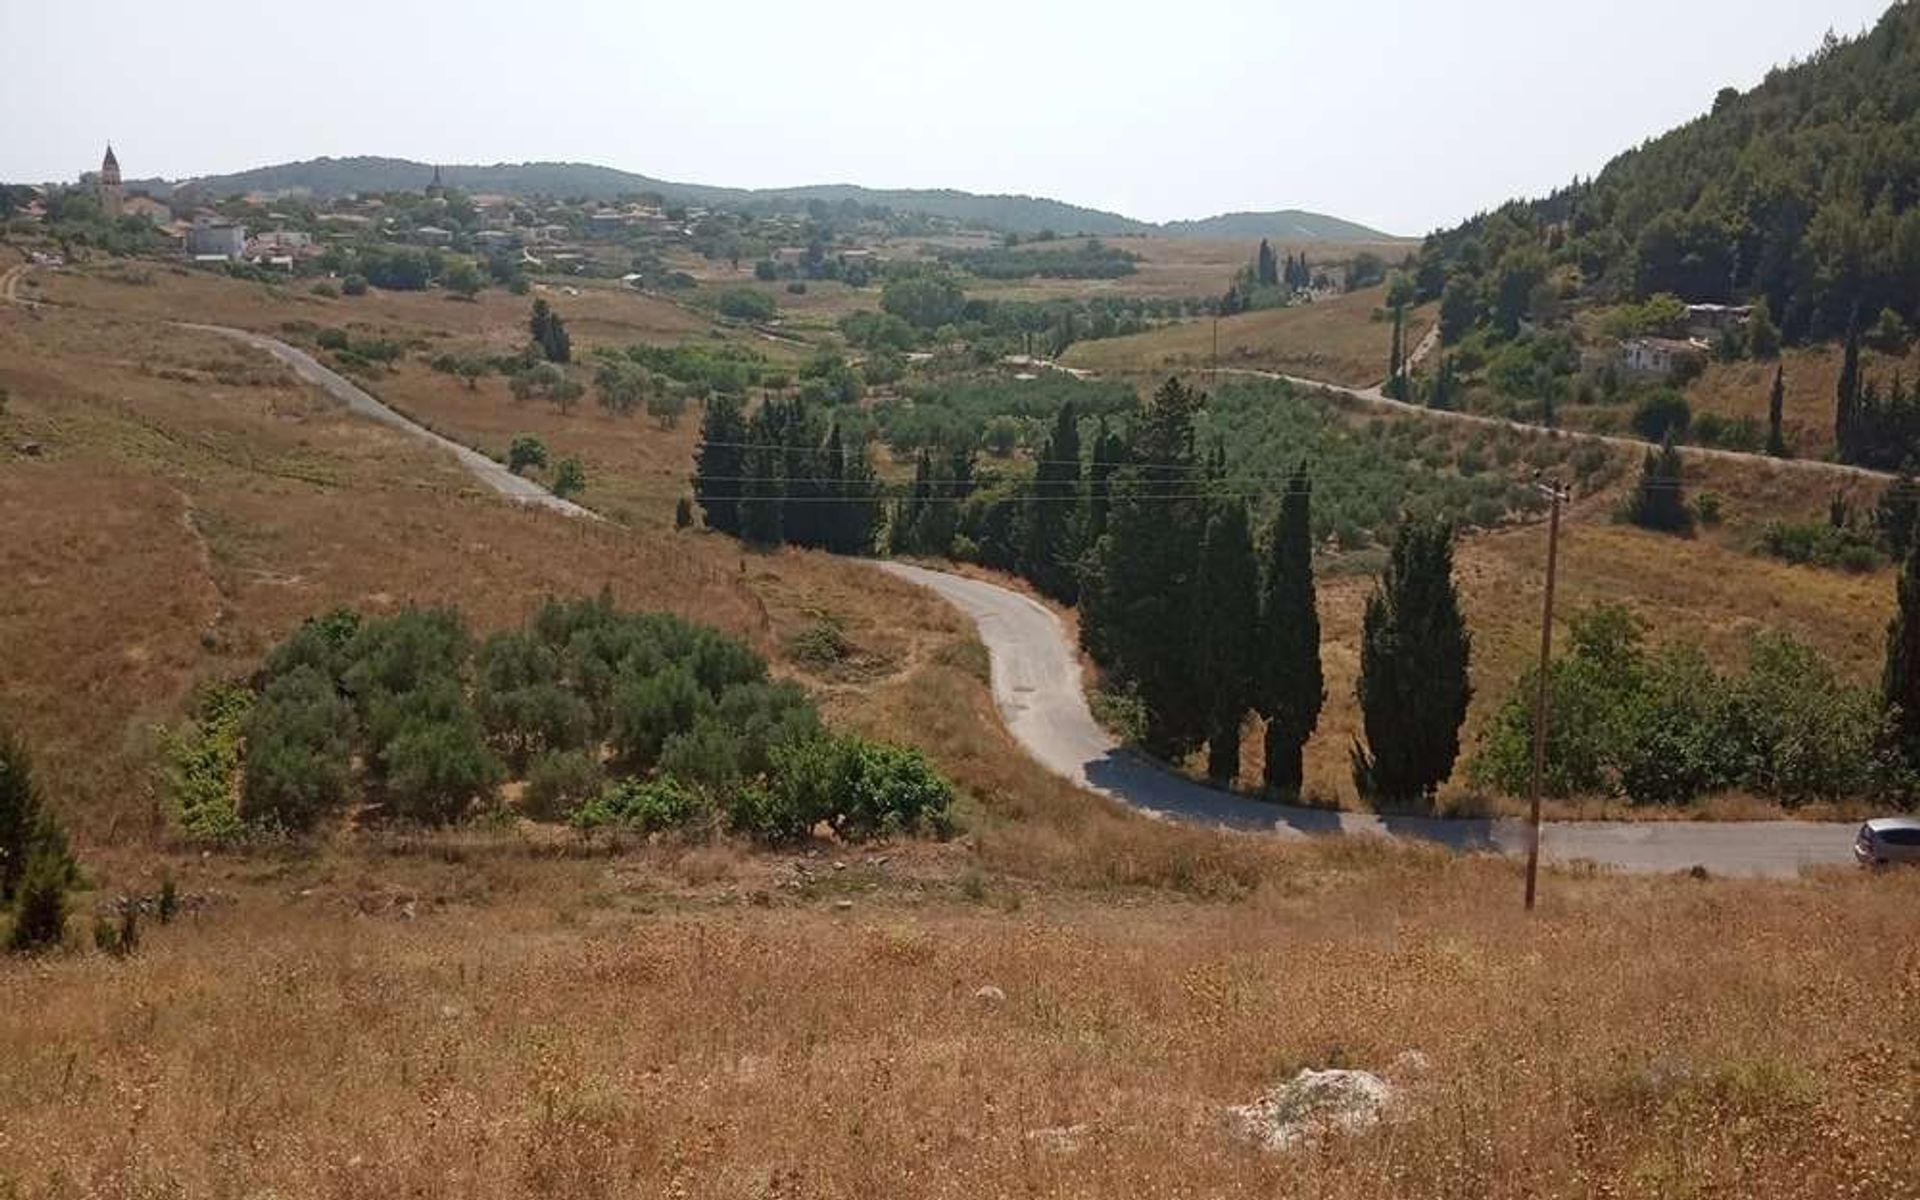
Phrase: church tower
(108, 188)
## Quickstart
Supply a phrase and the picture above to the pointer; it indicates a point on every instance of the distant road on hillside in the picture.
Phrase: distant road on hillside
(1036, 686)
(486, 470)
(1373, 397)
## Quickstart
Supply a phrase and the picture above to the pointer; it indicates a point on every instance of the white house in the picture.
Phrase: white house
(1658, 356)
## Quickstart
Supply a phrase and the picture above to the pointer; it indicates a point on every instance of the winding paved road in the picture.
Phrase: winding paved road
(486, 470)
(1036, 685)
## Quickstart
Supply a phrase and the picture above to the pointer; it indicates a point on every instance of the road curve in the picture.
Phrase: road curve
(1036, 686)
(486, 470)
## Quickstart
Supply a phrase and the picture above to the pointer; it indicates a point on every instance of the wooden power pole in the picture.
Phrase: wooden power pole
(1556, 496)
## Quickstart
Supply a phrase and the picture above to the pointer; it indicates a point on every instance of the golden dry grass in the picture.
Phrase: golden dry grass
(1811, 377)
(1337, 340)
(483, 1023)
(1176, 268)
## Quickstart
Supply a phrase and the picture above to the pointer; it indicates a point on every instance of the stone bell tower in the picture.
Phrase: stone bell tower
(108, 189)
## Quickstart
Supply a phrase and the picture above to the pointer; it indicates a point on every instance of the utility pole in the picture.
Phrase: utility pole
(1556, 496)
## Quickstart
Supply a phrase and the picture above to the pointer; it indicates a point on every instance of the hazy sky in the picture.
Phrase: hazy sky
(1401, 114)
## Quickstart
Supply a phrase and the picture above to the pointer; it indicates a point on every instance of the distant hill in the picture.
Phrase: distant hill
(331, 177)
(1803, 193)
(1289, 224)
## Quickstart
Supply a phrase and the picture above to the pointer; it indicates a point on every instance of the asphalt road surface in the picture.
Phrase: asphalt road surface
(486, 470)
(1036, 686)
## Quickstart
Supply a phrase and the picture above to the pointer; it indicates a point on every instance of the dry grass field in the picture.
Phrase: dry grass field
(479, 1020)
(1178, 268)
(1338, 341)
(1811, 376)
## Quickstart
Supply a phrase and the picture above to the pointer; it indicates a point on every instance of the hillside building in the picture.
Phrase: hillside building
(1659, 357)
(216, 237)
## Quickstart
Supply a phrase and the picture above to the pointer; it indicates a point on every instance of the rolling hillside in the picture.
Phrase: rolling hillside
(1801, 193)
(328, 177)
(1287, 225)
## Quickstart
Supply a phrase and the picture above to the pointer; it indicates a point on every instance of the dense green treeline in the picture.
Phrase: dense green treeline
(1800, 193)
(1091, 259)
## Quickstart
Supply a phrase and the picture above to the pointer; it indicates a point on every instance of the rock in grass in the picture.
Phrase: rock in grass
(1313, 1105)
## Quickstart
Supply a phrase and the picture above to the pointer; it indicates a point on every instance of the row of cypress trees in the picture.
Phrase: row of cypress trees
(785, 475)
(1181, 602)
(1178, 604)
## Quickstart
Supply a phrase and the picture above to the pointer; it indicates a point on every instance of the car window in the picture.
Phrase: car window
(1901, 837)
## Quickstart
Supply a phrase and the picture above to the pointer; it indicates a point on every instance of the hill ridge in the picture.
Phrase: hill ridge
(1011, 212)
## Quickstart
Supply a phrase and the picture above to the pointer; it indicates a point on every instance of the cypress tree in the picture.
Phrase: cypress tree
(1776, 409)
(1659, 499)
(1049, 544)
(1396, 355)
(833, 488)
(762, 521)
(1900, 682)
(1226, 621)
(1269, 274)
(1413, 687)
(1145, 570)
(27, 829)
(1846, 414)
(859, 509)
(1290, 688)
(720, 464)
(1108, 454)
(903, 532)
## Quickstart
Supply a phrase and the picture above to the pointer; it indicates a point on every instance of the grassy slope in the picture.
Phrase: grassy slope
(1335, 340)
(1812, 379)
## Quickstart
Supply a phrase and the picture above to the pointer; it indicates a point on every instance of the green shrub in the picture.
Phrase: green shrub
(647, 806)
(40, 909)
(332, 339)
(27, 829)
(325, 291)
(650, 709)
(298, 754)
(1667, 728)
(354, 285)
(1822, 544)
(526, 451)
(430, 754)
(745, 304)
(1663, 411)
(559, 781)
(521, 696)
(859, 788)
(819, 644)
(201, 764)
